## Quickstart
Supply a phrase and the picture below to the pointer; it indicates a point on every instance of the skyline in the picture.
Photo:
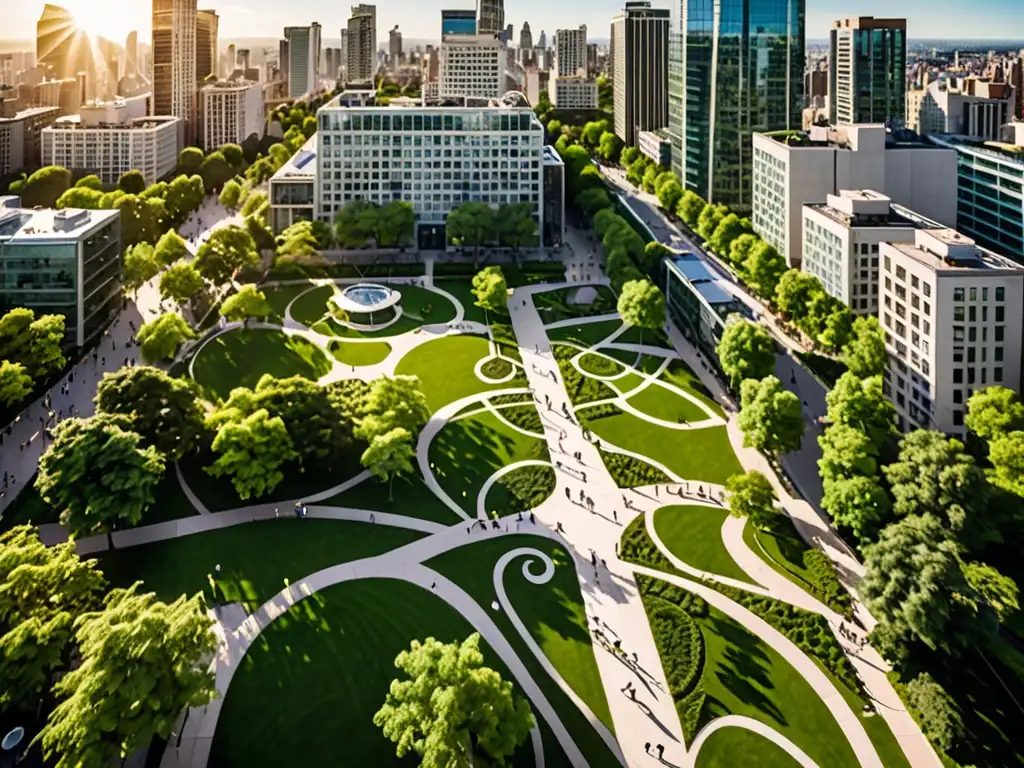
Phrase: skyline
(952, 19)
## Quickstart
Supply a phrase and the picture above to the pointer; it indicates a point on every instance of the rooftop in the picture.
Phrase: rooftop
(302, 165)
(230, 85)
(896, 216)
(716, 292)
(995, 149)
(30, 112)
(20, 225)
(946, 250)
(551, 157)
(839, 136)
(74, 123)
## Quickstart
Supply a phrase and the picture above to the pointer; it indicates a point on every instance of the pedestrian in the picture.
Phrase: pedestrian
(661, 751)
(593, 558)
(615, 515)
(567, 494)
(647, 747)
(103, 361)
(373, 518)
(627, 687)
(584, 477)
(532, 518)
(583, 495)
(636, 659)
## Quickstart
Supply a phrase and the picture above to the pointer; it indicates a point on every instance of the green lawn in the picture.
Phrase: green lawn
(280, 297)
(410, 497)
(624, 356)
(680, 374)
(554, 615)
(462, 290)
(693, 454)
(468, 451)
(445, 369)
(628, 383)
(694, 535)
(310, 685)
(662, 403)
(239, 358)
(556, 305)
(600, 366)
(360, 353)
(732, 747)
(256, 559)
(420, 306)
(783, 549)
(585, 334)
(646, 336)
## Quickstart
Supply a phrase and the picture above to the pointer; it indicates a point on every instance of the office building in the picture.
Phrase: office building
(952, 315)
(458, 22)
(472, 65)
(639, 42)
(206, 44)
(303, 59)
(394, 48)
(491, 155)
(20, 138)
(968, 106)
(492, 17)
(657, 146)
(571, 52)
(64, 262)
(990, 192)
(841, 243)
(868, 70)
(734, 70)
(362, 44)
(574, 93)
(174, 62)
(699, 301)
(537, 81)
(112, 138)
(292, 192)
(791, 168)
(525, 39)
(131, 54)
(232, 112)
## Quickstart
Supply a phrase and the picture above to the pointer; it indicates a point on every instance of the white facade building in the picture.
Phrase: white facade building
(952, 315)
(110, 140)
(472, 65)
(571, 52)
(969, 106)
(292, 188)
(232, 112)
(303, 59)
(434, 158)
(792, 168)
(574, 93)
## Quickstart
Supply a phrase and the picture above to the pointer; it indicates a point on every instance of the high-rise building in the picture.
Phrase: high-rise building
(542, 41)
(342, 57)
(362, 43)
(525, 38)
(575, 92)
(394, 47)
(206, 44)
(492, 17)
(458, 22)
(733, 70)
(20, 138)
(282, 58)
(131, 55)
(868, 70)
(232, 112)
(174, 62)
(968, 106)
(571, 52)
(472, 65)
(232, 60)
(303, 59)
(509, 31)
(640, 44)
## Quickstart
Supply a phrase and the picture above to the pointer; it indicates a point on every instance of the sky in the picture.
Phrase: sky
(959, 19)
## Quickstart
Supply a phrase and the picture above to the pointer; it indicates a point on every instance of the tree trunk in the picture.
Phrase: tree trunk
(391, 488)
(110, 539)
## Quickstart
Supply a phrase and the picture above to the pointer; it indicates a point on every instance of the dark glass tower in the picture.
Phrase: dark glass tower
(735, 67)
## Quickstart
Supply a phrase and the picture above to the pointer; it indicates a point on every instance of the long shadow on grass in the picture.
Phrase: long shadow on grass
(742, 666)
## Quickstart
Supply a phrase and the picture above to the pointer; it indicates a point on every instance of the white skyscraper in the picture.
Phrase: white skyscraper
(303, 59)
(174, 61)
(362, 43)
(472, 65)
(571, 52)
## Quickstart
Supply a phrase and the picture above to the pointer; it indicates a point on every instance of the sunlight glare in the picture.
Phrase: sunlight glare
(112, 19)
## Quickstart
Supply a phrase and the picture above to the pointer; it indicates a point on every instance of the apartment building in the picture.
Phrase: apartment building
(232, 111)
(574, 93)
(967, 106)
(20, 138)
(571, 52)
(867, 70)
(472, 65)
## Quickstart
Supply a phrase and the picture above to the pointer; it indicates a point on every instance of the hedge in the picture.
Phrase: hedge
(496, 368)
(582, 389)
(290, 270)
(631, 472)
(599, 365)
(525, 417)
(527, 487)
(637, 547)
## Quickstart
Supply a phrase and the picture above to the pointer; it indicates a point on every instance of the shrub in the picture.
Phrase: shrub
(582, 389)
(528, 487)
(522, 397)
(524, 417)
(637, 547)
(631, 472)
(496, 368)
(826, 582)
(599, 365)
(934, 710)
(505, 338)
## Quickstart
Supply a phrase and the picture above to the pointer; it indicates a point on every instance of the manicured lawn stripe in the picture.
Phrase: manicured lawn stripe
(280, 297)
(662, 403)
(410, 497)
(731, 747)
(366, 353)
(694, 535)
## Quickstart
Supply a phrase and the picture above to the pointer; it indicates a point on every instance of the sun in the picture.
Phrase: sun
(112, 19)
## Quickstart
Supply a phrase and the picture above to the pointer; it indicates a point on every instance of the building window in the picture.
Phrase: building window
(1000, 293)
(1000, 313)
(1000, 329)
(997, 373)
(958, 375)
(958, 418)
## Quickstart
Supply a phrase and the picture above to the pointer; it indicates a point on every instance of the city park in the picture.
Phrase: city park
(384, 514)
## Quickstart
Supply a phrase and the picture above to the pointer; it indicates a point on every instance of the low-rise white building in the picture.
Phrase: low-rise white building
(472, 65)
(952, 314)
(968, 106)
(230, 113)
(575, 93)
(292, 188)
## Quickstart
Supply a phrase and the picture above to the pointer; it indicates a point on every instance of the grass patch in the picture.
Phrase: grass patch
(585, 334)
(582, 389)
(628, 383)
(559, 305)
(257, 560)
(525, 417)
(683, 376)
(496, 368)
(662, 403)
(410, 496)
(694, 535)
(520, 490)
(625, 356)
(367, 353)
(239, 358)
(280, 297)
(598, 365)
(631, 472)
(646, 336)
(731, 747)
(462, 290)
(505, 337)
(636, 546)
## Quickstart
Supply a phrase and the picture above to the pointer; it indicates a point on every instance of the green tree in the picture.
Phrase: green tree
(15, 383)
(355, 223)
(190, 159)
(861, 404)
(710, 217)
(728, 229)
(169, 249)
(97, 473)
(226, 251)
(396, 225)
(740, 248)
(45, 339)
(745, 351)
(142, 662)
(915, 587)
(999, 591)
(181, 282)
(184, 196)
(298, 241)
(390, 454)
(664, 178)
(642, 305)
(140, 266)
(794, 294)
(993, 412)
(937, 712)
(164, 410)
(609, 146)
(770, 417)
(234, 156)
(635, 172)
(472, 225)
(654, 252)
(864, 354)
(451, 706)
(751, 496)
(323, 233)
(592, 200)
(491, 289)
(690, 208)
(856, 502)
(651, 174)
(593, 131)
(837, 332)
(309, 126)
(845, 452)
(249, 302)
(161, 337)
(231, 195)
(517, 228)
(215, 172)
(391, 402)
(82, 198)
(554, 127)
(44, 187)
(251, 451)
(669, 195)
(763, 268)
(132, 182)
(629, 156)
(254, 202)
(589, 177)
(91, 181)
(1006, 452)
(142, 219)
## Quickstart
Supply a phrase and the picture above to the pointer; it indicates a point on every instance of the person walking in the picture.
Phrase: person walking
(661, 752)
(647, 747)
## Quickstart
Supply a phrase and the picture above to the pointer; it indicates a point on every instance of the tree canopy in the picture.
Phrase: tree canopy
(248, 303)
(251, 450)
(181, 282)
(994, 411)
(490, 289)
(751, 496)
(390, 454)
(226, 251)
(393, 401)
(864, 354)
(745, 351)
(770, 416)
(642, 304)
(160, 338)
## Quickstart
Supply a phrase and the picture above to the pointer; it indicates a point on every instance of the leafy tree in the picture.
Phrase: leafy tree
(690, 208)
(396, 225)
(393, 401)
(745, 351)
(164, 410)
(937, 712)
(728, 229)
(132, 182)
(763, 268)
(1006, 453)
(181, 282)
(46, 335)
(770, 417)
(642, 304)
(323, 233)
(254, 202)
(845, 452)
(517, 228)
(355, 223)
(588, 178)
(451, 706)
(473, 225)
(609, 146)
(593, 131)
(669, 195)
(993, 412)
(160, 338)
(914, 586)
(864, 354)
(664, 178)
(184, 196)
(491, 289)
(651, 174)
(654, 252)
(592, 200)
(740, 248)
(838, 328)
(81, 197)
(97, 473)
(794, 294)
(251, 451)
(390, 454)
(15, 383)
(234, 156)
(190, 159)
(169, 249)
(91, 181)
(142, 219)
(215, 172)
(231, 195)
(249, 302)
(44, 187)
(856, 502)
(751, 496)
(226, 251)
(1000, 592)
(861, 404)
(142, 662)
(309, 126)
(710, 217)
(554, 127)
(635, 172)
(140, 266)
(629, 156)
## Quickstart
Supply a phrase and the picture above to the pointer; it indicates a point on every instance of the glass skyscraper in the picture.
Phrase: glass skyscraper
(735, 67)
